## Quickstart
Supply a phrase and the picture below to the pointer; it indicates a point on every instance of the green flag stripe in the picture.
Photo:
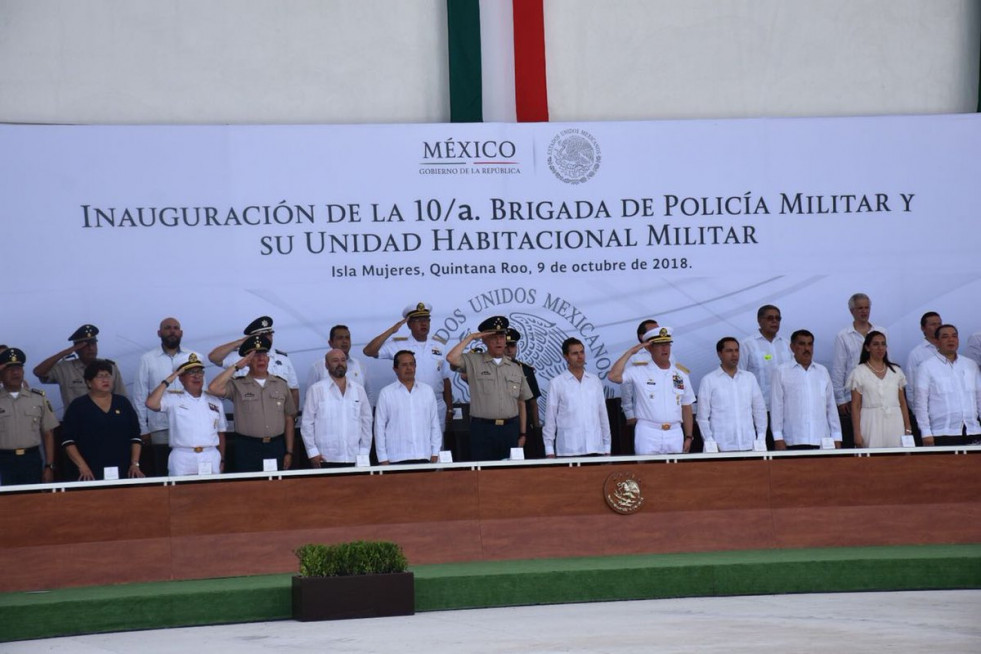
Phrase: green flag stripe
(463, 22)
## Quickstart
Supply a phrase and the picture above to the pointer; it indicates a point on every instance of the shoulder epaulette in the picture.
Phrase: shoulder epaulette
(37, 390)
(400, 338)
(280, 352)
(682, 368)
(440, 340)
(640, 363)
(176, 391)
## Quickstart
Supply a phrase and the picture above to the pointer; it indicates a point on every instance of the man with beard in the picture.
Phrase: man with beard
(264, 409)
(155, 365)
(67, 367)
(26, 423)
(336, 424)
(339, 339)
(196, 421)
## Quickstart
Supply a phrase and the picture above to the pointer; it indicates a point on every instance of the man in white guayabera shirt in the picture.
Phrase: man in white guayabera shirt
(576, 422)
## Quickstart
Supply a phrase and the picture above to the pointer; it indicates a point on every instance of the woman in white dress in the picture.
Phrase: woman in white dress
(879, 413)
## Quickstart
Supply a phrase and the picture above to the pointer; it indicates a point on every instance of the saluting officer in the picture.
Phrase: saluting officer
(265, 412)
(67, 367)
(429, 352)
(26, 422)
(197, 421)
(498, 392)
(279, 362)
(663, 396)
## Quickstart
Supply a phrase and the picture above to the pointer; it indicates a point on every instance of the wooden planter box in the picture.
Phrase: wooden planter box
(357, 596)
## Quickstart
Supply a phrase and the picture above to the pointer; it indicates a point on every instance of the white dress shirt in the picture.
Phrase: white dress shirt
(802, 405)
(847, 351)
(761, 357)
(334, 426)
(155, 366)
(948, 394)
(431, 365)
(576, 422)
(731, 410)
(925, 350)
(407, 423)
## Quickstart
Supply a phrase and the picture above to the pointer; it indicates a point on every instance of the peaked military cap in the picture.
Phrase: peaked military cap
(84, 333)
(12, 356)
(192, 363)
(659, 335)
(260, 325)
(513, 335)
(419, 310)
(257, 343)
(497, 324)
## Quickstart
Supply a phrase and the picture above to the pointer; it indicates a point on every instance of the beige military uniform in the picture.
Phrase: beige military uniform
(494, 389)
(260, 410)
(23, 419)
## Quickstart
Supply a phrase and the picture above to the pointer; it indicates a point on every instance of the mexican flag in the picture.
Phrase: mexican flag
(497, 61)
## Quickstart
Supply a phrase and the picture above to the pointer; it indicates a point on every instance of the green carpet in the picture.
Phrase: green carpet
(505, 583)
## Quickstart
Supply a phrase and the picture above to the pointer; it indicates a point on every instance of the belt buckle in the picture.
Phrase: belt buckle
(498, 422)
(20, 452)
(665, 426)
(267, 440)
(199, 449)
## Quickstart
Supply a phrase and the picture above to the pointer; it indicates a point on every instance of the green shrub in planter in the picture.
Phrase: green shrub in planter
(356, 558)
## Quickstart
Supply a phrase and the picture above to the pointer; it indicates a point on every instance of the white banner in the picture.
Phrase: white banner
(568, 229)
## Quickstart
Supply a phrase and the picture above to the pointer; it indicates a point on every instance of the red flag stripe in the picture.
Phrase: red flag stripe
(530, 84)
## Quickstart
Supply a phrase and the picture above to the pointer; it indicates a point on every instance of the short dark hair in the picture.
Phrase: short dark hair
(642, 327)
(926, 316)
(395, 359)
(800, 333)
(763, 309)
(334, 329)
(722, 343)
(569, 342)
(936, 334)
(94, 368)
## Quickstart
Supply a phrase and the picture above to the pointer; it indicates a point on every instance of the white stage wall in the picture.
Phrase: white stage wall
(317, 225)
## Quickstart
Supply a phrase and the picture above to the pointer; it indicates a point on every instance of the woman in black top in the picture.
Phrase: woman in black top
(101, 430)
